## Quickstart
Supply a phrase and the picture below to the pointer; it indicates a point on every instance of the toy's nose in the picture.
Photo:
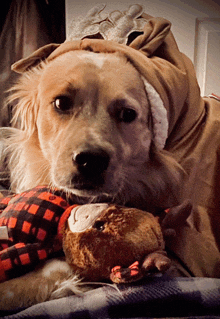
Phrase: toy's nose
(83, 217)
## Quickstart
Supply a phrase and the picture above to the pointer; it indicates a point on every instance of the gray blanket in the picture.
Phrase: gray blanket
(156, 297)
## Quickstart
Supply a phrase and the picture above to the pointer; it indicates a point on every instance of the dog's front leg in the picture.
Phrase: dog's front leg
(37, 286)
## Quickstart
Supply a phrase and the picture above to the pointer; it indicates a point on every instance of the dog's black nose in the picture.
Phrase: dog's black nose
(92, 163)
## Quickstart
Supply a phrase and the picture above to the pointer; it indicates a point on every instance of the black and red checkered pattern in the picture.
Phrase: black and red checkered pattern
(32, 220)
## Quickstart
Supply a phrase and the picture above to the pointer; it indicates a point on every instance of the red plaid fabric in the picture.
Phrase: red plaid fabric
(32, 220)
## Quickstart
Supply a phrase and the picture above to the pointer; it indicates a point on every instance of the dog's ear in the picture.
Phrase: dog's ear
(34, 59)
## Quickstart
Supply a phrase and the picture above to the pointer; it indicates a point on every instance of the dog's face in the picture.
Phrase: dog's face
(91, 127)
(92, 122)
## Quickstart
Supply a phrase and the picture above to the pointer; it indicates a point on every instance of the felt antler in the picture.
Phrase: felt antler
(115, 26)
(121, 25)
(88, 25)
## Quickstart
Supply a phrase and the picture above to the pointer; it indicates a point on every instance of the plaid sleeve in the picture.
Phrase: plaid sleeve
(20, 258)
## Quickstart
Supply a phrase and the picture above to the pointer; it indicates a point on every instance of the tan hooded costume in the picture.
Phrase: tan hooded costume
(193, 123)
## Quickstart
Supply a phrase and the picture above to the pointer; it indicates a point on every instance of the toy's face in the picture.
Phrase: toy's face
(83, 217)
(108, 236)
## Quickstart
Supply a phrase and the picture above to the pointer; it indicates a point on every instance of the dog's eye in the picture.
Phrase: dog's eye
(126, 115)
(99, 225)
(63, 103)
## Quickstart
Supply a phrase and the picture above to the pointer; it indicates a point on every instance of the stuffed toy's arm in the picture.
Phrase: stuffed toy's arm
(20, 258)
(156, 261)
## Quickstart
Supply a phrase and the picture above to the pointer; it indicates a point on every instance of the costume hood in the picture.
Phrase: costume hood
(168, 75)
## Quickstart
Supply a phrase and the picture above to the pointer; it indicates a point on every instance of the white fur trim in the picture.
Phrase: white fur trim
(159, 116)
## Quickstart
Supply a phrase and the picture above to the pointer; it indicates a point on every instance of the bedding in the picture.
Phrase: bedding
(155, 297)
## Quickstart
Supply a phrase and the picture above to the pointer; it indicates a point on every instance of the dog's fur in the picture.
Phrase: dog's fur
(99, 89)
(55, 279)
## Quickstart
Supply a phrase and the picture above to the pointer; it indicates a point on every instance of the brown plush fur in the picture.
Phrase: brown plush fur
(126, 235)
(99, 88)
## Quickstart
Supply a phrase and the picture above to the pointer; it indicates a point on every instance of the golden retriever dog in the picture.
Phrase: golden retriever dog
(91, 125)
(86, 127)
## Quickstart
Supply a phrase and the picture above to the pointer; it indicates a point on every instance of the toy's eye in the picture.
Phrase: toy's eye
(126, 115)
(63, 103)
(99, 225)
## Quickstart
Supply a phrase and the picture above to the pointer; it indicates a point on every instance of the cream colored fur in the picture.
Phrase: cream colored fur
(41, 151)
(54, 280)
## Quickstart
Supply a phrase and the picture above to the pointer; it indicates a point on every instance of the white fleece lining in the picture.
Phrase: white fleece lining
(159, 116)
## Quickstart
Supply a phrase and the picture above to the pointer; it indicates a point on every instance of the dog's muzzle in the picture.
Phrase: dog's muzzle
(91, 166)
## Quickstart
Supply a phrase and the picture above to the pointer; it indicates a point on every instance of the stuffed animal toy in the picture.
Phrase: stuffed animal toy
(28, 229)
(100, 241)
